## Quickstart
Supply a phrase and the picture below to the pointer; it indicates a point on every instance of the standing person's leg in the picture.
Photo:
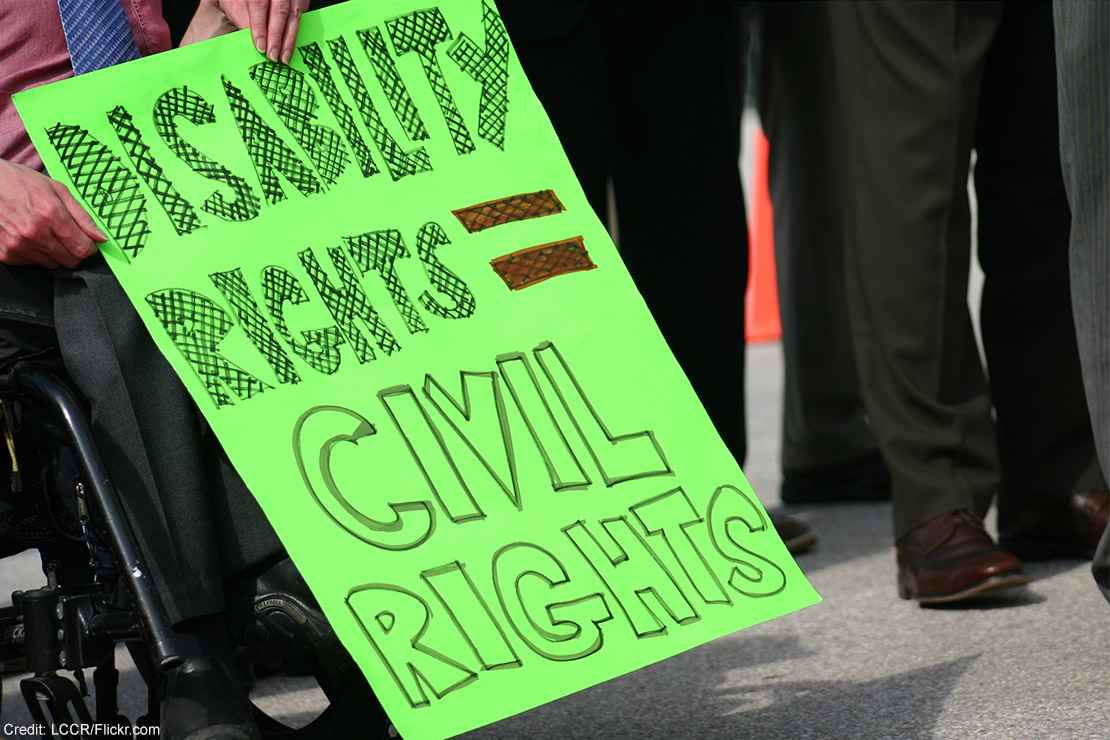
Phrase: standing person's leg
(911, 74)
(1083, 68)
(828, 450)
(562, 50)
(680, 209)
(1051, 479)
(580, 75)
(677, 88)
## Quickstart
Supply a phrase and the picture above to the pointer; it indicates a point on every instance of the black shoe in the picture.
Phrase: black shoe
(286, 621)
(204, 700)
(864, 479)
(798, 536)
(1057, 528)
(287, 633)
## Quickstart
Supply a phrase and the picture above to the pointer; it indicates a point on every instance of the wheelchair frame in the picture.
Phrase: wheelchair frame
(68, 626)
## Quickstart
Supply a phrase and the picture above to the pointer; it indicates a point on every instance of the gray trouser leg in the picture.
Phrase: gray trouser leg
(823, 412)
(911, 74)
(1083, 69)
(194, 520)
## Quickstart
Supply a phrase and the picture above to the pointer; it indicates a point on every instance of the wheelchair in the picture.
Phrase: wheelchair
(56, 497)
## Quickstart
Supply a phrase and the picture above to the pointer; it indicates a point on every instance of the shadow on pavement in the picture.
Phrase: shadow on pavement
(845, 532)
(1003, 600)
(905, 705)
(1051, 568)
(700, 699)
(676, 698)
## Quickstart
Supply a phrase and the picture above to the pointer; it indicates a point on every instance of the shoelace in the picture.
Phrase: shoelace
(962, 517)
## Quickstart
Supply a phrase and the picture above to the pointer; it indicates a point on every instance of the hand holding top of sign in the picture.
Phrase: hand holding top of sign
(40, 222)
(273, 23)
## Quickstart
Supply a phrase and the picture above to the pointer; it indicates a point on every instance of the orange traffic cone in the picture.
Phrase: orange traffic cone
(761, 301)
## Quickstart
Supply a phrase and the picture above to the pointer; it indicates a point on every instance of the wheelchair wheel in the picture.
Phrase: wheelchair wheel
(289, 640)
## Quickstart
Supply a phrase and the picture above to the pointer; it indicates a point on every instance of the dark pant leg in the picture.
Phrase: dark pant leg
(680, 210)
(910, 76)
(1045, 445)
(1083, 57)
(567, 70)
(194, 520)
(823, 420)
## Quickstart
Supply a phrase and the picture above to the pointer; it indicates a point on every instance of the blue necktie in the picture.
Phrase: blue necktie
(97, 34)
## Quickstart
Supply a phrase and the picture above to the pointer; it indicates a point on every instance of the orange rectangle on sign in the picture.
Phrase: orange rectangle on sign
(536, 264)
(518, 207)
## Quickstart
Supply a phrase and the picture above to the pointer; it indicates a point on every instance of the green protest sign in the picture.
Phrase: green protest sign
(376, 274)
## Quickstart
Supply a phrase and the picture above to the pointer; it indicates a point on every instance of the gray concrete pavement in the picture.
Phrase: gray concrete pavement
(863, 664)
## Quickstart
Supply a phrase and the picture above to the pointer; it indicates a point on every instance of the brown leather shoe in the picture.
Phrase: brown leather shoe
(796, 534)
(1070, 529)
(952, 558)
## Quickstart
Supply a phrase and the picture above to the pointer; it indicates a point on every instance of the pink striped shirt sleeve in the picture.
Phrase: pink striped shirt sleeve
(33, 52)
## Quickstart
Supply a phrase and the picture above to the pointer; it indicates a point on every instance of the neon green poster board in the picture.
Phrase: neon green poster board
(375, 272)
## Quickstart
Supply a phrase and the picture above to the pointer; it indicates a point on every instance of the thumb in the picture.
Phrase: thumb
(79, 214)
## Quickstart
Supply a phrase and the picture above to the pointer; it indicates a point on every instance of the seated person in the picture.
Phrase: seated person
(193, 519)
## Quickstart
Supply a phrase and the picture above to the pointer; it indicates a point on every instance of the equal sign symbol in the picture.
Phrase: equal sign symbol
(531, 265)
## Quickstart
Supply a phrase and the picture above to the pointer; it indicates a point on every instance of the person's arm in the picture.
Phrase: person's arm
(273, 23)
(40, 222)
